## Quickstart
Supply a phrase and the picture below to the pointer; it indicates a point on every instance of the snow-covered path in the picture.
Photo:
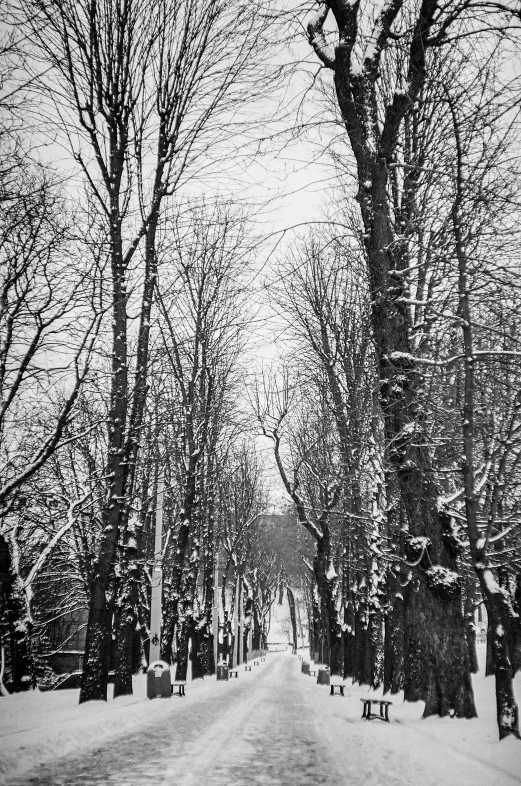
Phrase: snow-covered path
(276, 726)
(258, 729)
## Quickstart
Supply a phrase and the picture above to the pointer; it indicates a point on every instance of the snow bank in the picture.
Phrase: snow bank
(36, 727)
(442, 747)
(41, 727)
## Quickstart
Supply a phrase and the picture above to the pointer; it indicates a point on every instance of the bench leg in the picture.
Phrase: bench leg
(368, 714)
(332, 691)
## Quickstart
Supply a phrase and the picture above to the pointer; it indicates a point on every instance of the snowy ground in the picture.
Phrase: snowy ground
(273, 726)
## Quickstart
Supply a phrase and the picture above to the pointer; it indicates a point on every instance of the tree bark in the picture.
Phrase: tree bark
(393, 667)
(331, 632)
(99, 626)
(293, 617)
(470, 627)
(128, 588)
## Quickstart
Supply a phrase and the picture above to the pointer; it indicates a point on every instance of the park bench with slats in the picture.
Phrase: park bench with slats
(384, 709)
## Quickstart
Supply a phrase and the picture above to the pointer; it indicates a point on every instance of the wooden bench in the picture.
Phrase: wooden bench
(312, 673)
(234, 673)
(262, 659)
(384, 709)
(179, 688)
(255, 662)
(338, 685)
(247, 668)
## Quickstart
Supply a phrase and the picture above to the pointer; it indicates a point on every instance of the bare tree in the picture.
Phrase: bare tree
(323, 292)
(48, 324)
(475, 182)
(203, 319)
(144, 93)
(240, 503)
(50, 313)
(305, 447)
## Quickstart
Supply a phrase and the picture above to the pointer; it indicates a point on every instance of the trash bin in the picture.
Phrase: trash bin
(222, 671)
(158, 680)
(323, 676)
(305, 667)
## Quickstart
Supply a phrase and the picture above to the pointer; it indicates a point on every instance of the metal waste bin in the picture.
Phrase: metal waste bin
(323, 676)
(158, 680)
(222, 671)
(305, 667)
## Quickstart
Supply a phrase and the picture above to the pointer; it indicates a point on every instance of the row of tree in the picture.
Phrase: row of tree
(194, 436)
(123, 316)
(396, 422)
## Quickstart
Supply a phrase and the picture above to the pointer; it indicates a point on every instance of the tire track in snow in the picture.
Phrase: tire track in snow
(194, 767)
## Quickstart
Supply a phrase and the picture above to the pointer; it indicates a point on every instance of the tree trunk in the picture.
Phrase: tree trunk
(498, 609)
(128, 588)
(376, 632)
(256, 636)
(489, 663)
(446, 673)
(437, 664)
(349, 637)
(499, 618)
(293, 617)
(96, 660)
(172, 604)
(470, 627)
(99, 626)
(362, 669)
(331, 631)
(393, 668)
(199, 651)
(209, 559)
(128, 655)
(125, 627)
(348, 604)
(183, 636)
(439, 622)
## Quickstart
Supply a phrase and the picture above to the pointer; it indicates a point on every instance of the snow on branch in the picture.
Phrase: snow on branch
(70, 520)
(502, 534)
(317, 38)
(478, 354)
(381, 31)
